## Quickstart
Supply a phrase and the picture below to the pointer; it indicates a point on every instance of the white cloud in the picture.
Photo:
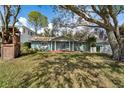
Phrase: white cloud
(50, 25)
(23, 21)
(31, 28)
(40, 31)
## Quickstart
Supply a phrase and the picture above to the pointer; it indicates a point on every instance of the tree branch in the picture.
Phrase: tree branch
(84, 16)
(16, 14)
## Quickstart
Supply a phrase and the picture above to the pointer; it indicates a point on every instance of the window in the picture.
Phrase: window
(31, 33)
(28, 32)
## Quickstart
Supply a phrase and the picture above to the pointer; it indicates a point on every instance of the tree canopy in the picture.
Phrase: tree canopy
(10, 17)
(103, 16)
(37, 20)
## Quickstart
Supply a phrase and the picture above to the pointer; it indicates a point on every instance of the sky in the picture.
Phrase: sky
(46, 10)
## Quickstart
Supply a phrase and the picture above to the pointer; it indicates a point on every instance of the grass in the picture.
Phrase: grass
(62, 70)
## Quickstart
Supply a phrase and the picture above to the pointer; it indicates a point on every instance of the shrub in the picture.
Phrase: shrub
(27, 44)
(26, 48)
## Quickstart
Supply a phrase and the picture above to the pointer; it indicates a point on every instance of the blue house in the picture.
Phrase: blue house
(66, 44)
(56, 43)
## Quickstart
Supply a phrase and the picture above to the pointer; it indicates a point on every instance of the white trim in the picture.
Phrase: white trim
(69, 46)
(51, 46)
(55, 45)
(73, 46)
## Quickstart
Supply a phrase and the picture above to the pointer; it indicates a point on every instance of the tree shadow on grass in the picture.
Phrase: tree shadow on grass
(25, 54)
(62, 72)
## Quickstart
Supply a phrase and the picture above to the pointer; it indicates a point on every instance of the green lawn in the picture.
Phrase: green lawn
(61, 70)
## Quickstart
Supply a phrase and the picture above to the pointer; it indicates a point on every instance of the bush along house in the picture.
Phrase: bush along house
(62, 44)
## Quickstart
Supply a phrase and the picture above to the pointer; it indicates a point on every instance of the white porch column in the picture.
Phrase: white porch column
(55, 45)
(51, 45)
(69, 46)
(93, 49)
(73, 46)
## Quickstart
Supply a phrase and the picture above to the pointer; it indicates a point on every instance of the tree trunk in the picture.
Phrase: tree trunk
(35, 28)
(114, 45)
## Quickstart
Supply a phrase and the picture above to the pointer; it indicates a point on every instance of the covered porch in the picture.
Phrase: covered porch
(65, 45)
(57, 44)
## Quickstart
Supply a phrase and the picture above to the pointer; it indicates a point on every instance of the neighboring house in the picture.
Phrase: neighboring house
(26, 34)
(65, 44)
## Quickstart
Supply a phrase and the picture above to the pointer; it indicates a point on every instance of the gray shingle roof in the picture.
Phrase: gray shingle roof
(61, 38)
(39, 38)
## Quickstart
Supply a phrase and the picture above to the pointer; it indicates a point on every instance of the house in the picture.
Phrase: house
(26, 34)
(65, 44)
(55, 43)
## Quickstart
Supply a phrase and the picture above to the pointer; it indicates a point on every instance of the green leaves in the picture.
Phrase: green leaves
(37, 20)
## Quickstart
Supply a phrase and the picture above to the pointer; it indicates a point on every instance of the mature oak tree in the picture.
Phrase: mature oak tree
(104, 17)
(10, 11)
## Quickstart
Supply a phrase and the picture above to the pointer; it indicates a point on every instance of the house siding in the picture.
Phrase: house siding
(41, 45)
(106, 49)
(61, 44)
(26, 34)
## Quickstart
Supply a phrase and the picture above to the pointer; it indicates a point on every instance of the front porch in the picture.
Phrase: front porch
(57, 45)
(64, 45)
